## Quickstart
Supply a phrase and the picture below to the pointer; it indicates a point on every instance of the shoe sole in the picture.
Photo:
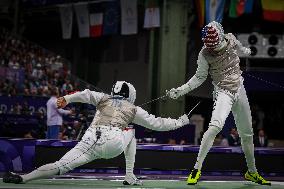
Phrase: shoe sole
(194, 183)
(191, 183)
(265, 184)
(127, 184)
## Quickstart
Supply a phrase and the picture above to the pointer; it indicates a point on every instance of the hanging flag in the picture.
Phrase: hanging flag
(214, 10)
(96, 19)
(239, 7)
(152, 17)
(111, 18)
(128, 17)
(200, 6)
(249, 6)
(82, 14)
(66, 17)
(273, 10)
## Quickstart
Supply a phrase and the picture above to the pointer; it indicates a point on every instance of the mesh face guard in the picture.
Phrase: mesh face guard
(124, 89)
(212, 35)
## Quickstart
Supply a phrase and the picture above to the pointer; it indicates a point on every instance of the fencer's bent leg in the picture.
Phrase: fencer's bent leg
(129, 153)
(130, 150)
(243, 120)
(222, 107)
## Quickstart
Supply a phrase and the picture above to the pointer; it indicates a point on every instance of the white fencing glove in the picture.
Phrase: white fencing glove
(246, 50)
(185, 119)
(174, 93)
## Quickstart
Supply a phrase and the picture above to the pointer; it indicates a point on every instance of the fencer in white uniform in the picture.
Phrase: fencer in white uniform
(106, 137)
(220, 57)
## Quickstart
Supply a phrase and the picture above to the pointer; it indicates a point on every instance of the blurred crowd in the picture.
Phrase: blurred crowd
(42, 72)
(233, 139)
(42, 69)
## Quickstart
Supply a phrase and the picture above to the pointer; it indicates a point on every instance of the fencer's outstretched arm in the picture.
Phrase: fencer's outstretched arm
(86, 96)
(149, 121)
(240, 46)
(199, 77)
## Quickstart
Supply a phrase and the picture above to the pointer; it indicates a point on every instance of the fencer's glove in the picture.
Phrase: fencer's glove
(246, 51)
(173, 93)
(184, 118)
(61, 102)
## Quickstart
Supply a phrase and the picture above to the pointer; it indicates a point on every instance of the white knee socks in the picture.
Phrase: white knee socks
(129, 154)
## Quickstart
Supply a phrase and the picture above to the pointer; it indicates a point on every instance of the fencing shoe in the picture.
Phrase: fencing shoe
(255, 177)
(132, 180)
(10, 177)
(194, 177)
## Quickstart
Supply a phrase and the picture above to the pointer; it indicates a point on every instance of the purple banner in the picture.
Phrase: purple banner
(34, 103)
(19, 155)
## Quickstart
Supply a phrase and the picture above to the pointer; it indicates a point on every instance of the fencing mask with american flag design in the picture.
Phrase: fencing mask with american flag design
(212, 34)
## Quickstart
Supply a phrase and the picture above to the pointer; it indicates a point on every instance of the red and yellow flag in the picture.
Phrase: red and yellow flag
(273, 10)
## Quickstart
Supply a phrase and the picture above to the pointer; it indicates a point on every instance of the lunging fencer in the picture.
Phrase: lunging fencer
(220, 57)
(106, 137)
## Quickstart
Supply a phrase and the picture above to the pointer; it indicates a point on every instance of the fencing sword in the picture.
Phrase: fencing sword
(265, 81)
(153, 100)
(161, 97)
(193, 108)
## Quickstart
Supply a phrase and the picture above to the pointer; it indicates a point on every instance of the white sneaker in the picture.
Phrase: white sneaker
(132, 180)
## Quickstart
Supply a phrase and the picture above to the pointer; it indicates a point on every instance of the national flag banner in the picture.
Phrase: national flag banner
(82, 14)
(239, 7)
(66, 17)
(200, 6)
(273, 10)
(96, 19)
(249, 6)
(111, 18)
(152, 17)
(128, 17)
(214, 10)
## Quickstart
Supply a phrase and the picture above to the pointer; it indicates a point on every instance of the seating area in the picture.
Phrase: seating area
(28, 69)
(28, 74)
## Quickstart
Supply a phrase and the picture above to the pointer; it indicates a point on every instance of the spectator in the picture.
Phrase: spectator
(224, 141)
(234, 139)
(26, 108)
(66, 87)
(182, 142)
(28, 135)
(172, 141)
(221, 140)
(54, 116)
(261, 140)
(62, 136)
(17, 109)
